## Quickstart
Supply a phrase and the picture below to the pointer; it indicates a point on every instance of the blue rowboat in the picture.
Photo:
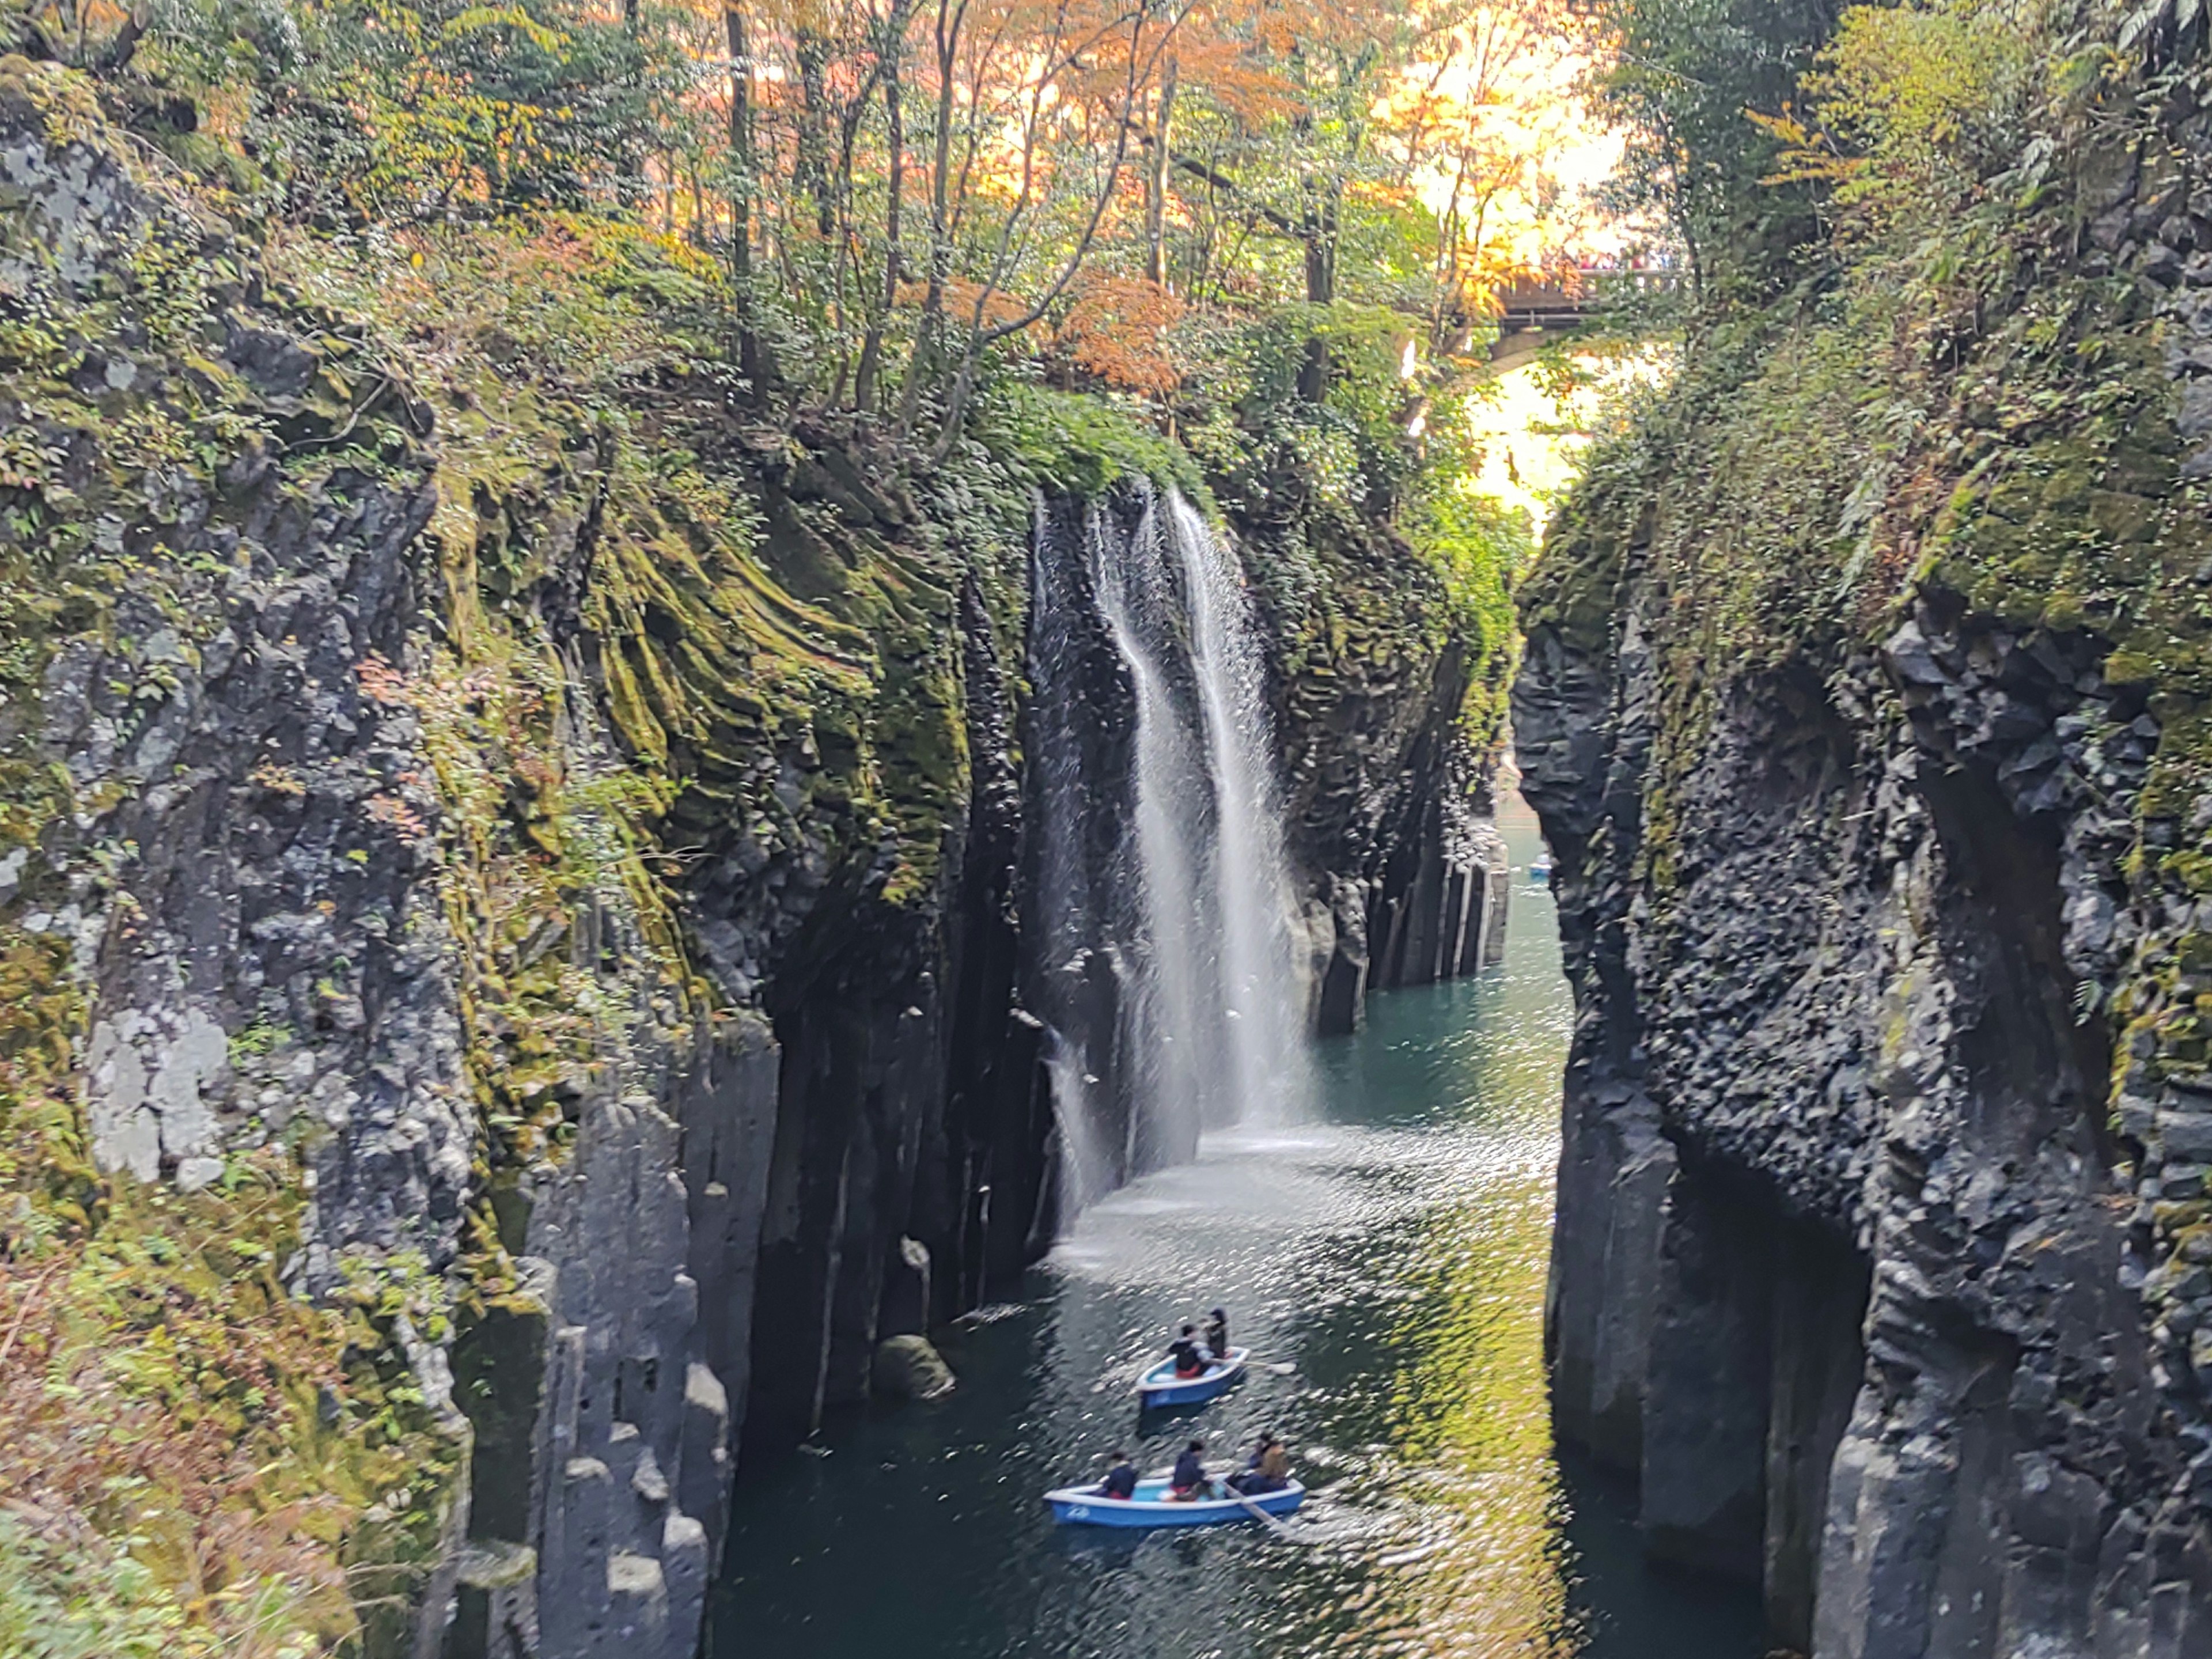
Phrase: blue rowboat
(1160, 1386)
(1083, 1506)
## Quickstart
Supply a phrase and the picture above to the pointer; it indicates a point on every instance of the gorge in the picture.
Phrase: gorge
(697, 709)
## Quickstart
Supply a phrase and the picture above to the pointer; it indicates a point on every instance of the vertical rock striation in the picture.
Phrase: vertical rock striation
(645, 943)
(1388, 779)
(1844, 1054)
(1874, 1259)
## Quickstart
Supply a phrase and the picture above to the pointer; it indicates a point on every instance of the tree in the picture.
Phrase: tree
(1680, 76)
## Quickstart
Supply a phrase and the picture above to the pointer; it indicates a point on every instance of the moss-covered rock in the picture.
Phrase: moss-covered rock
(1865, 705)
(505, 845)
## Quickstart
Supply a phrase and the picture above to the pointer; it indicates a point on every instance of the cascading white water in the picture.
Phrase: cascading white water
(1202, 1026)
(1175, 1010)
(1260, 982)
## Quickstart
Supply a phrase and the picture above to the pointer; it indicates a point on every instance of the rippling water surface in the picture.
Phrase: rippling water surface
(1387, 1265)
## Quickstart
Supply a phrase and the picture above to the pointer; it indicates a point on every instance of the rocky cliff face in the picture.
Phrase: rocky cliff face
(1876, 1258)
(1388, 781)
(591, 896)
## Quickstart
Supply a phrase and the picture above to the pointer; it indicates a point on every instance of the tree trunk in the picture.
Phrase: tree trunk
(750, 362)
(813, 162)
(1156, 183)
(1320, 237)
(894, 55)
(930, 331)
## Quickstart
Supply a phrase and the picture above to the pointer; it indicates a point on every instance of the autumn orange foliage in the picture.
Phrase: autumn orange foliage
(1117, 330)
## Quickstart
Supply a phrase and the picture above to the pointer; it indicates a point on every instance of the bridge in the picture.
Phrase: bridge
(1560, 304)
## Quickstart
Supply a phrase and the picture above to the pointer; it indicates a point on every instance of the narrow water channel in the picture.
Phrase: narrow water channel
(1386, 1265)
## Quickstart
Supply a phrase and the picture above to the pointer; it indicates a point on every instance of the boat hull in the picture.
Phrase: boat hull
(1150, 1509)
(1160, 1386)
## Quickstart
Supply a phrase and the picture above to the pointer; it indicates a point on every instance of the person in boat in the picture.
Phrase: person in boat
(1217, 1335)
(1120, 1479)
(1190, 1482)
(1190, 1358)
(1268, 1471)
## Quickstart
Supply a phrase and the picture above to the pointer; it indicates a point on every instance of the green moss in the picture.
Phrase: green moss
(1081, 445)
(1960, 408)
(215, 1450)
(774, 630)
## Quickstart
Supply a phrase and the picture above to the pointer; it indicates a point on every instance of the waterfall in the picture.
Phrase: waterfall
(1178, 1008)
(1163, 902)
(1259, 966)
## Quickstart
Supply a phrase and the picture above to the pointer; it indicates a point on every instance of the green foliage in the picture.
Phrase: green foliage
(2164, 31)
(356, 111)
(77, 1602)
(1681, 77)
(1478, 549)
(1080, 445)
(1246, 407)
(1790, 476)
(1971, 410)
(1916, 107)
(432, 207)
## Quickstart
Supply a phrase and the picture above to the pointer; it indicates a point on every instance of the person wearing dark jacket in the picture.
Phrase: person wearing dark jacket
(1217, 1334)
(1189, 1481)
(1120, 1479)
(1184, 1350)
(1242, 1481)
(1268, 1469)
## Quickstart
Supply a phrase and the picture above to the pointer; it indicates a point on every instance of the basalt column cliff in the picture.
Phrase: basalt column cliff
(1864, 705)
(528, 958)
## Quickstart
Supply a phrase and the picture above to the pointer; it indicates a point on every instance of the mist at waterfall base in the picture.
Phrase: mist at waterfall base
(1393, 1250)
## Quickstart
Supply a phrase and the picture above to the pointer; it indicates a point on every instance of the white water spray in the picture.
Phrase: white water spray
(1268, 1061)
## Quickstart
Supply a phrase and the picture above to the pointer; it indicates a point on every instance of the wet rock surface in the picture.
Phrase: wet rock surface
(1843, 1045)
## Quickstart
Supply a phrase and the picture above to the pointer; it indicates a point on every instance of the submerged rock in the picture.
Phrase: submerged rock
(910, 1367)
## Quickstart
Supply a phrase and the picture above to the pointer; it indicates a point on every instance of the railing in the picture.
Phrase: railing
(1566, 299)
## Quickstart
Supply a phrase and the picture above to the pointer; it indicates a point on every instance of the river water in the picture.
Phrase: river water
(1387, 1265)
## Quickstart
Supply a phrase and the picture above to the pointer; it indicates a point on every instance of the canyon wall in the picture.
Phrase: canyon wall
(590, 898)
(1880, 836)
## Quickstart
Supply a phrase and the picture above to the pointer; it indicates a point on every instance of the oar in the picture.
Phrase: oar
(1273, 1525)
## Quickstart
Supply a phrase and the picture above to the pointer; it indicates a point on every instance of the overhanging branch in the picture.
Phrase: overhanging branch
(1257, 212)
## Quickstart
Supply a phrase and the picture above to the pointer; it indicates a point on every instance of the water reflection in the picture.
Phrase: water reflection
(1388, 1267)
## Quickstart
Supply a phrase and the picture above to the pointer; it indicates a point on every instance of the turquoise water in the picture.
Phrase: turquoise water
(1387, 1265)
